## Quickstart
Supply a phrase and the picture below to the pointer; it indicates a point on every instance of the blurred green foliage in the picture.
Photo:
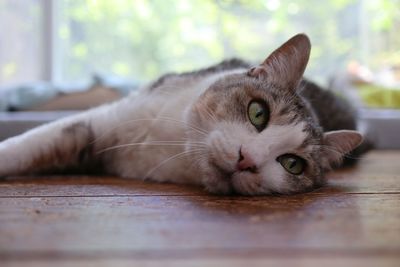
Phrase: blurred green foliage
(144, 38)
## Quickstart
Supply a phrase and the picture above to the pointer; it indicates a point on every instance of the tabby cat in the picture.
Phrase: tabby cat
(230, 128)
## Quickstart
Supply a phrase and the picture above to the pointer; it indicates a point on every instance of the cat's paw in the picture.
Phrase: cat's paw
(7, 160)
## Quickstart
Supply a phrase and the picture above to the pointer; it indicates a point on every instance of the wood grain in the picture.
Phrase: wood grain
(376, 173)
(103, 221)
(199, 262)
(156, 223)
(72, 186)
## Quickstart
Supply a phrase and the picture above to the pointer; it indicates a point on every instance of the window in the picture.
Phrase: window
(63, 41)
(69, 40)
(21, 41)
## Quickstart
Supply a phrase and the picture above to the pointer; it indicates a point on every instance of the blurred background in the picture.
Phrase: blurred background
(69, 40)
(57, 48)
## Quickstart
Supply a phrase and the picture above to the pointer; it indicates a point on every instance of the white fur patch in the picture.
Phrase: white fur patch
(264, 148)
(273, 142)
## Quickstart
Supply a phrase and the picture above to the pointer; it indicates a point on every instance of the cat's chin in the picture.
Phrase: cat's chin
(218, 180)
(247, 183)
(216, 185)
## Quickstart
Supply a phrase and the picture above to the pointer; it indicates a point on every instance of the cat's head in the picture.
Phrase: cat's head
(262, 137)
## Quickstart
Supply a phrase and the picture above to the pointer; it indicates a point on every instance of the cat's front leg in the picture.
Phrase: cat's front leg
(52, 146)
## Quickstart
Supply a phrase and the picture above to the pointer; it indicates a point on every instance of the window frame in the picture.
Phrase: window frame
(51, 66)
(50, 23)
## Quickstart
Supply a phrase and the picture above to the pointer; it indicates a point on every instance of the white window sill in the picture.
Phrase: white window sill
(382, 126)
(14, 123)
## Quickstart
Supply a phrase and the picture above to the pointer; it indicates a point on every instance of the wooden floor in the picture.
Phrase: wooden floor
(92, 221)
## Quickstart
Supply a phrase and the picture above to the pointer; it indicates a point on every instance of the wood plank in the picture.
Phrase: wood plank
(198, 225)
(107, 221)
(65, 186)
(392, 261)
(378, 172)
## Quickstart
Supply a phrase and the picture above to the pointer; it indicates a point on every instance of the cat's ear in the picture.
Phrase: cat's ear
(338, 143)
(286, 65)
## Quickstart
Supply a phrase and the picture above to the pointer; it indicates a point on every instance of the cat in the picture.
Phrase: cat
(230, 128)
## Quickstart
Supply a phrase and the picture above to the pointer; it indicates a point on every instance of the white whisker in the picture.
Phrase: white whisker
(153, 143)
(199, 130)
(210, 113)
(184, 153)
(165, 119)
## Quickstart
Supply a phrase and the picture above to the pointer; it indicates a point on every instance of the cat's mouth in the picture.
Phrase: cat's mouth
(236, 182)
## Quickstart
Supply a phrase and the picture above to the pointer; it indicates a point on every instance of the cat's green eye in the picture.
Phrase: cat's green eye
(258, 114)
(292, 163)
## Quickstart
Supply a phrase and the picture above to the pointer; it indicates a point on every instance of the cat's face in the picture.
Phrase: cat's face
(262, 138)
(254, 133)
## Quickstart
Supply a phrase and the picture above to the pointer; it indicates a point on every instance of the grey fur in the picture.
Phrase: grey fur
(206, 112)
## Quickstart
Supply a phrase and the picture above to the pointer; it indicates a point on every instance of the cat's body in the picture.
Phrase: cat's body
(89, 142)
(199, 128)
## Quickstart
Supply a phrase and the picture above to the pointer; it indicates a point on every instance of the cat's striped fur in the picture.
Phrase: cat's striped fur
(194, 128)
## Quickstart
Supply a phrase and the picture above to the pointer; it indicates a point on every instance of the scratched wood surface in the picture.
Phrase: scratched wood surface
(106, 221)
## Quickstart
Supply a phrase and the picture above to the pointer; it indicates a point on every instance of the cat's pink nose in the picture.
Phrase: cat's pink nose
(246, 162)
